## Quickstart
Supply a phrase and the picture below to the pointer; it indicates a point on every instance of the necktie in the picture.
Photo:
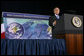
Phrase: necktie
(57, 17)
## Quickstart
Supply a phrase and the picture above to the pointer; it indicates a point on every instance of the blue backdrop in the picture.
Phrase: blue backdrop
(26, 26)
(32, 46)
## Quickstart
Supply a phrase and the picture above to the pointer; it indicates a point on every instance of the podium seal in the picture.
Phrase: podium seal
(76, 21)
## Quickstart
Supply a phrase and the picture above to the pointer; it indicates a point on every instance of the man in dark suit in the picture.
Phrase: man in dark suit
(57, 23)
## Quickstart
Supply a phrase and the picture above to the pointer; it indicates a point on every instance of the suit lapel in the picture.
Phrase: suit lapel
(54, 17)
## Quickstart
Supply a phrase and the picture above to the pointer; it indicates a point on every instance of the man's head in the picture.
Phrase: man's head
(56, 10)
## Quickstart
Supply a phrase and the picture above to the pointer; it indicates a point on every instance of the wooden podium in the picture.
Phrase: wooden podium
(74, 44)
(73, 33)
(73, 27)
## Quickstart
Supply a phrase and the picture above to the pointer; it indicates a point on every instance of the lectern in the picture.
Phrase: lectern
(73, 25)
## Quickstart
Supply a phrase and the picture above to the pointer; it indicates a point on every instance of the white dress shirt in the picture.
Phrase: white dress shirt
(57, 17)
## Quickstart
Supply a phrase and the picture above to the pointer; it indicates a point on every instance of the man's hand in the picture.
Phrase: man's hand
(54, 23)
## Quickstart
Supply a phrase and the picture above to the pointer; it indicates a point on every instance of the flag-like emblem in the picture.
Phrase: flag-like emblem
(2, 29)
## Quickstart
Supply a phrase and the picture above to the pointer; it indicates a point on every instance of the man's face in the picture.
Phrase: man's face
(56, 11)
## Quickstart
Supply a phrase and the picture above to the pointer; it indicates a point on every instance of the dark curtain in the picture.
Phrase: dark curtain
(33, 47)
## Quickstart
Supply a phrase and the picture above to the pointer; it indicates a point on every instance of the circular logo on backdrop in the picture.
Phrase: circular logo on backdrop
(14, 30)
(76, 21)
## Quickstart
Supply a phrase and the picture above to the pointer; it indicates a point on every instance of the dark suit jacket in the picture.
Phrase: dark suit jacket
(59, 28)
